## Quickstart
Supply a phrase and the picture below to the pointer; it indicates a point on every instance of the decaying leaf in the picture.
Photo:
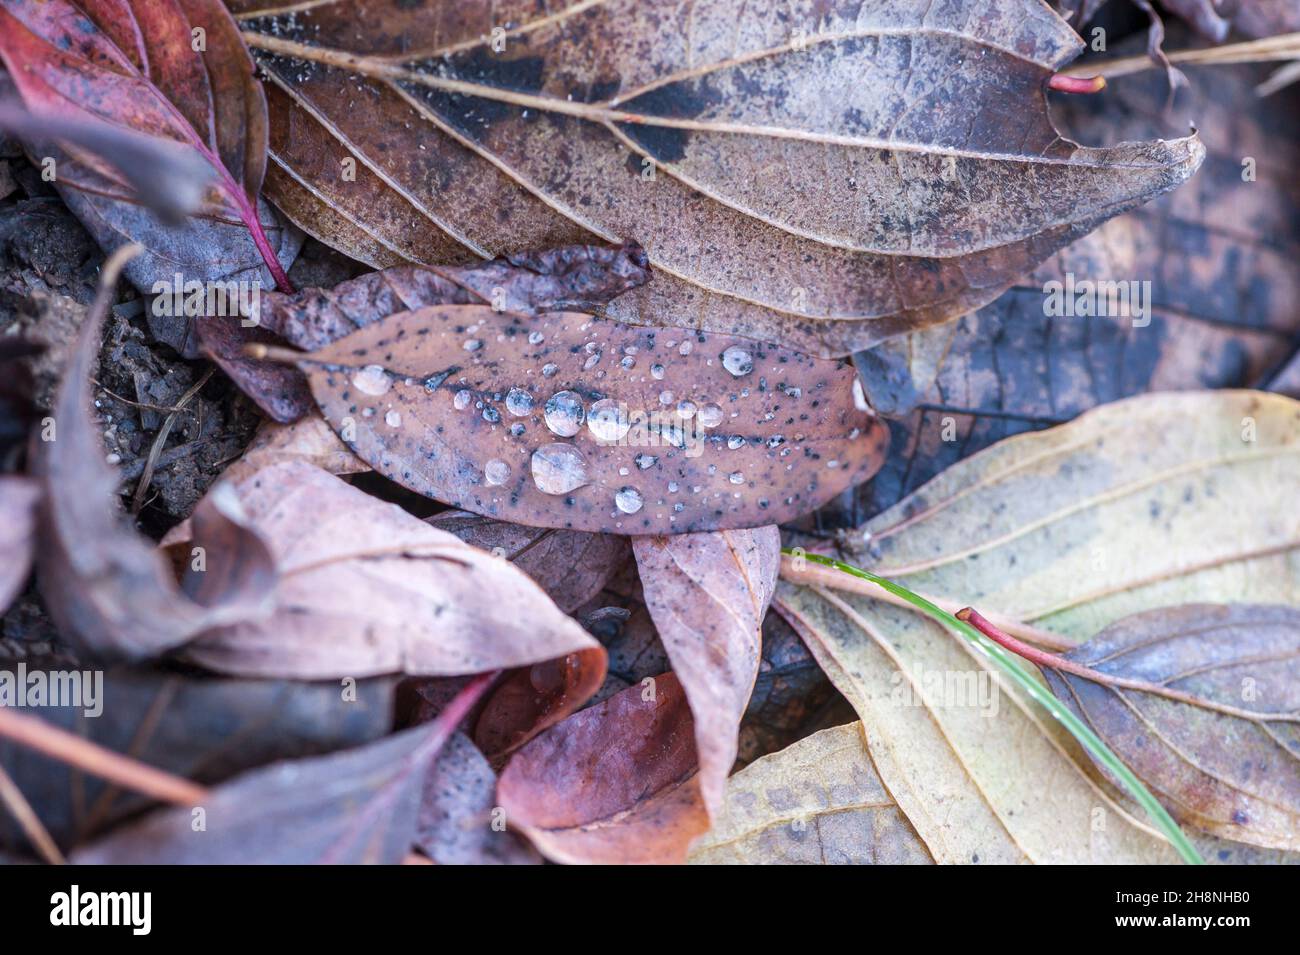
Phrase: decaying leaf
(202, 729)
(817, 802)
(614, 783)
(308, 439)
(570, 421)
(707, 594)
(457, 825)
(365, 588)
(19, 498)
(104, 586)
(573, 278)
(919, 191)
(1234, 777)
(1257, 18)
(1144, 503)
(133, 64)
(571, 566)
(358, 806)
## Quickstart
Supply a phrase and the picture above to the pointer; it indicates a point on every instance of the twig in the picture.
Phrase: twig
(137, 501)
(31, 823)
(1283, 47)
(822, 576)
(95, 759)
(1052, 661)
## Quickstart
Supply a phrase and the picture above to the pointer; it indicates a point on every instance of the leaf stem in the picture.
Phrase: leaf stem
(1063, 83)
(1043, 658)
(1022, 677)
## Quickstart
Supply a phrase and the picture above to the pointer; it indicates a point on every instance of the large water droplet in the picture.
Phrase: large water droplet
(549, 370)
(472, 344)
(496, 471)
(736, 477)
(628, 500)
(372, 380)
(735, 441)
(608, 420)
(710, 416)
(519, 402)
(685, 409)
(462, 399)
(536, 338)
(393, 419)
(738, 361)
(564, 413)
(558, 468)
(657, 372)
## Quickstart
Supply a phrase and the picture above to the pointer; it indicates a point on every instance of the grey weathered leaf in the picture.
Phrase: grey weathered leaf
(19, 497)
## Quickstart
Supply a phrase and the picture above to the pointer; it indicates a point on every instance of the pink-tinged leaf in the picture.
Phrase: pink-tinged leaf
(18, 500)
(707, 594)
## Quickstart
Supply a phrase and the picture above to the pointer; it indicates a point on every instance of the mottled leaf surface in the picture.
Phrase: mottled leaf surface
(817, 802)
(573, 422)
(918, 190)
(707, 595)
(1145, 503)
(1234, 777)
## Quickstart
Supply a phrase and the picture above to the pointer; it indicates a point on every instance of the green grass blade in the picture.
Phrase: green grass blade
(1016, 670)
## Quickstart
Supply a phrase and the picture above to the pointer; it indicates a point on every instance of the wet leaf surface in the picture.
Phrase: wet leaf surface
(571, 278)
(614, 783)
(923, 188)
(1231, 776)
(819, 802)
(19, 498)
(366, 588)
(573, 422)
(707, 595)
(199, 728)
(1133, 506)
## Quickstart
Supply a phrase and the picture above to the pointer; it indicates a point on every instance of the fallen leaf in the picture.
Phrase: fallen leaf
(707, 594)
(132, 64)
(357, 806)
(571, 566)
(612, 784)
(365, 588)
(19, 497)
(457, 823)
(1134, 505)
(575, 278)
(570, 421)
(1234, 777)
(198, 728)
(104, 586)
(530, 699)
(308, 439)
(818, 802)
(925, 186)
(1256, 18)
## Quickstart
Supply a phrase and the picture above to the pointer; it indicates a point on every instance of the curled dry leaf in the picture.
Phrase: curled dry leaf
(707, 594)
(1237, 778)
(132, 64)
(570, 421)
(457, 824)
(818, 802)
(104, 585)
(571, 566)
(357, 806)
(19, 498)
(1134, 505)
(612, 784)
(923, 188)
(198, 728)
(365, 588)
(309, 439)
(577, 278)
(1257, 18)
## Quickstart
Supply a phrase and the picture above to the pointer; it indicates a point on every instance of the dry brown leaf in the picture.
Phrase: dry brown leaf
(571, 566)
(820, 802)
(1234, 777)
(923, 187)
(365, 588)
(1135, 505)
(19, 497)
(308, 439)
(104, 586)
(570, 421)
(707, 595)
(612, 784)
